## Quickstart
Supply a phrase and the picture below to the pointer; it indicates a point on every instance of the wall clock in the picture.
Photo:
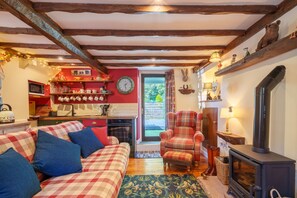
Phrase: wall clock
(125, 85)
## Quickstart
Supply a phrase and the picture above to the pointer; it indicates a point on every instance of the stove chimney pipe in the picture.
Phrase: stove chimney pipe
(262, 109)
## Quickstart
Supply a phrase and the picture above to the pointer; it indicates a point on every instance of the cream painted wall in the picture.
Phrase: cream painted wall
(238, 90)
(186, 102)
(15, 86)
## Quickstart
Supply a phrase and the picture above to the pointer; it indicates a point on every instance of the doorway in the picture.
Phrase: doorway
(153, 106)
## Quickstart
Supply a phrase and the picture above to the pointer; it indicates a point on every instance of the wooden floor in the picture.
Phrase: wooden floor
(154, 166)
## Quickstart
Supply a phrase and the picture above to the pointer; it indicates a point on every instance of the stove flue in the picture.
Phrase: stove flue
(262, 109)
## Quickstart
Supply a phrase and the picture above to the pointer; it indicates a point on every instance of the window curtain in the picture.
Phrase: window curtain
(170, 91)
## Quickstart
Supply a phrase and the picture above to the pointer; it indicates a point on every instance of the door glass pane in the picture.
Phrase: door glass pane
(154, 106)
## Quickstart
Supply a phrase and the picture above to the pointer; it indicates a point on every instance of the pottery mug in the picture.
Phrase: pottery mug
(90, 98)
(85, 98)
(66, 99)
(61, 99)
(96, 98)
(94, 91)
(78, 98)
(88, 91)
(101, 98)
(81, 90)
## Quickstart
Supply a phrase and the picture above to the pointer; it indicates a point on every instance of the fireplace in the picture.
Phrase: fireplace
(255, 174)
(253, 169)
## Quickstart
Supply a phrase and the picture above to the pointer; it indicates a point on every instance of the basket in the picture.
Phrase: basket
(222, 171)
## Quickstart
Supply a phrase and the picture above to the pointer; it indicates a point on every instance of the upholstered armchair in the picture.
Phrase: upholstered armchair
(183, 134)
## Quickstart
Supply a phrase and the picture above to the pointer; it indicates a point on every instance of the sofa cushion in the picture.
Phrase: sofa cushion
(87, 184)
(87, 140)
(180, 143)
(185, 132)
(101, 134)
(17, 176)
(186, 118)
(55, 157)
(62, 130)
(22, 142)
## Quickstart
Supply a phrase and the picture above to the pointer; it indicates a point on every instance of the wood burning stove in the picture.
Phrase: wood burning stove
(255, 174)
(254, 170)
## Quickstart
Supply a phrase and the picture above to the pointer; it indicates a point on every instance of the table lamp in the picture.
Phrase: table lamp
(227, 113)
(208, 86)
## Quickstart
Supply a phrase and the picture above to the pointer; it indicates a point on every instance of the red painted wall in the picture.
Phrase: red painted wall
(117, 97)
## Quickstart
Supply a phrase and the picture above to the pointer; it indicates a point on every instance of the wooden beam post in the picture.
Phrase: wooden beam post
(23, 10)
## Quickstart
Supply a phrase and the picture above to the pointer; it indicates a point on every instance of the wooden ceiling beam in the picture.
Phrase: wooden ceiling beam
(282, 8)
(128, 33)
(51, 56)
(140, 9)
(127, 64)
(29, 45)
(115, 47)
(152, 57)
(136, 47)
(23, 10)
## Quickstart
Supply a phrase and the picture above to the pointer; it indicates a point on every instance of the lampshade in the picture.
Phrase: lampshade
(215, 57)
(207, 86)
(226, 113)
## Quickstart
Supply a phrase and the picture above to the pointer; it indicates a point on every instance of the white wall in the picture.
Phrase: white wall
(190, 101)
(15, 86)
(238, 90)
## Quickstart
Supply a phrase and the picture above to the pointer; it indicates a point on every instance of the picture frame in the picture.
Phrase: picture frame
(81, 72)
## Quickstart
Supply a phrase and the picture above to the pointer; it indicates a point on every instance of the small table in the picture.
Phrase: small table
(178, 158)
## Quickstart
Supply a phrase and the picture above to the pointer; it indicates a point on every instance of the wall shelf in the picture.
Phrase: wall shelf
(79, 94)
(277, 48)
(211, 100)
(81, 81)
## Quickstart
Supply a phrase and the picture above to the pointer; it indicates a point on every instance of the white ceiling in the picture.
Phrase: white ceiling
(147, 21)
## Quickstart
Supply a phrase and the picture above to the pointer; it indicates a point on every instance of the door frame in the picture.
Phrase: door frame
(144, 138)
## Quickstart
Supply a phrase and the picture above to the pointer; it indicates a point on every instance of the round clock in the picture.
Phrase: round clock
(125, 85)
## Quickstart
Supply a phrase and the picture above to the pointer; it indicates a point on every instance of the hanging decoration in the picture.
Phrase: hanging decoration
(5, 57)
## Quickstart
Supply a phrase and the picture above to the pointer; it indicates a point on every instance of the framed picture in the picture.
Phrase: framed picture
(81, 72)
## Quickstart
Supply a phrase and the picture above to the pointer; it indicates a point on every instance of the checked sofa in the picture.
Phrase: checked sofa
(183, 134)
(102, 172)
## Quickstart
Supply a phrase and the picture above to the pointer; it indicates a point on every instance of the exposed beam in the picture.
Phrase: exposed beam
(126, 33)
(136, 47)
(124, 57)
(23, 10)
(139, 9)
(29, 45)
(283, 8)
(9, 30)
(115, 47)
(52, 56)
(127, 64)
(152, 57)
(181, 33)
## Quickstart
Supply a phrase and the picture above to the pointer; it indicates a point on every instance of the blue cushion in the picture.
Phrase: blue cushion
(87, 140)
(17, 176)
(55, 156)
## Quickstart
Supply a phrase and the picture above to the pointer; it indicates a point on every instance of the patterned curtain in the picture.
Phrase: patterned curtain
(170, 91)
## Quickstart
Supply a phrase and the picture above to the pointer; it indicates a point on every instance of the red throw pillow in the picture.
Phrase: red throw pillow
(101, 134)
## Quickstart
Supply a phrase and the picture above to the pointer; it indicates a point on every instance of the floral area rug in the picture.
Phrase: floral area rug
(152, 186)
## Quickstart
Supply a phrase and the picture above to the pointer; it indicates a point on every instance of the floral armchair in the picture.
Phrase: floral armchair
(183, 134)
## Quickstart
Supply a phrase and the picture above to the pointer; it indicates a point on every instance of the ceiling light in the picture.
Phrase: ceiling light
(60, 58)
(215, 57)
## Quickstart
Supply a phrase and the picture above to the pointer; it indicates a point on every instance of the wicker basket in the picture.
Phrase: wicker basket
(222, 171)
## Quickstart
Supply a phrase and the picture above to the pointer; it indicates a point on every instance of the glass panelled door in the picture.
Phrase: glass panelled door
(153, 106)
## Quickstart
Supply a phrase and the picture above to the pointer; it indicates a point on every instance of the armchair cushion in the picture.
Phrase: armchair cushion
(186, 118)
(180, 143)
(166, 135)
(184, 132)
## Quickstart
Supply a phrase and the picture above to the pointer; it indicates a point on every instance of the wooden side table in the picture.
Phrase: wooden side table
(231, 138)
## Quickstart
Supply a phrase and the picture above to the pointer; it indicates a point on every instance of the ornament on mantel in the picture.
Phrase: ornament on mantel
(233, 59)
(247, 53)
(293, 34)
(219, 65)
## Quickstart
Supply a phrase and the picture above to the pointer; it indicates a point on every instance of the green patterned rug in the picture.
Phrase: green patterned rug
(151, 186)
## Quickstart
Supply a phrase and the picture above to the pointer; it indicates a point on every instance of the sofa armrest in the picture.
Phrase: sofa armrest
(198, 137)
(113, 140)
(166, 135)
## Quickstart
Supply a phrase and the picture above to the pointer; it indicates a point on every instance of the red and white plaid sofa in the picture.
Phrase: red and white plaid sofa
(103, 171)
(183, 134)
